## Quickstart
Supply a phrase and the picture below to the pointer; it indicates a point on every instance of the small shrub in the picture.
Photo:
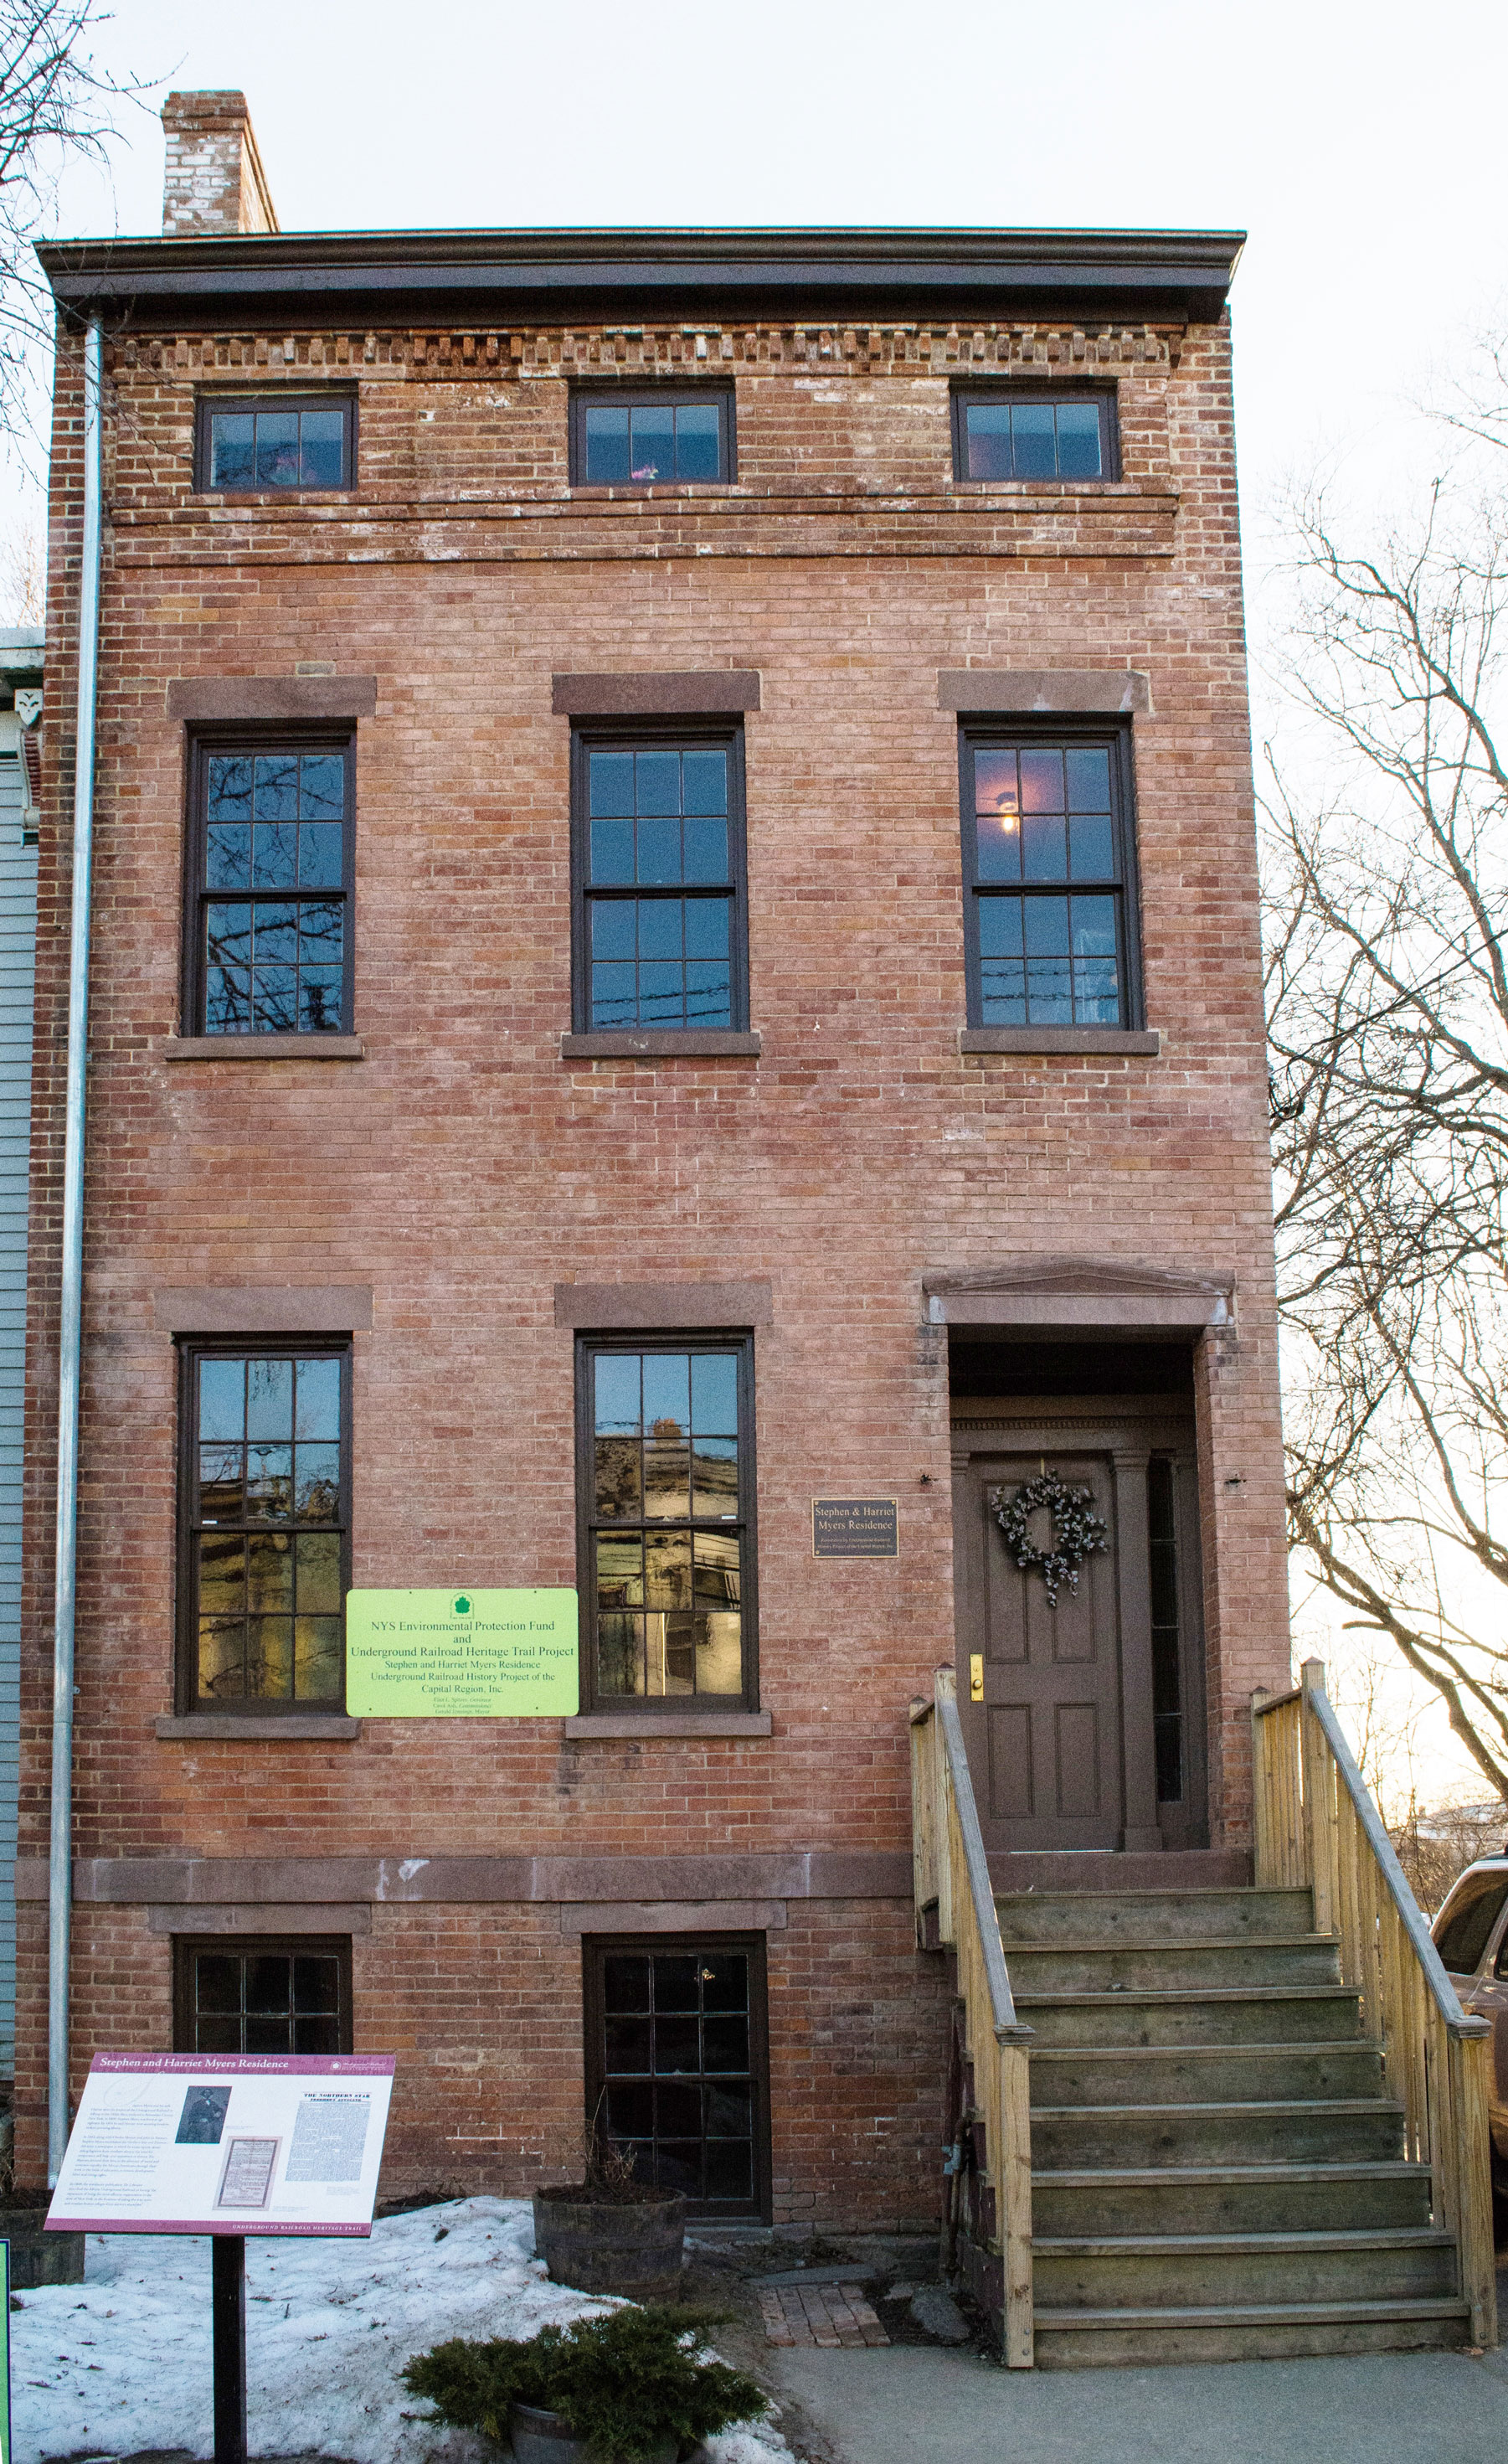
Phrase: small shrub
(625, 2382)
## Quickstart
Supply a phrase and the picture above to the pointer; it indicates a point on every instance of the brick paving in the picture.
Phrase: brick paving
(819, 2314)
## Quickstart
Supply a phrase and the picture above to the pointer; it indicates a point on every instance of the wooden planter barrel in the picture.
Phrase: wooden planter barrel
(600, 2247)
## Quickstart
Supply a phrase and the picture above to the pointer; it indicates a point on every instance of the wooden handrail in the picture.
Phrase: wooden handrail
(1316, 1827)
(952, 1873)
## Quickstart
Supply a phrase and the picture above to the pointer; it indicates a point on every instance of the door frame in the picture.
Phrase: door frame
(1129, 1429)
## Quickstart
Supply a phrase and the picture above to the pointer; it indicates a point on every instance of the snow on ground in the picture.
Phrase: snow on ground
(123, 2361)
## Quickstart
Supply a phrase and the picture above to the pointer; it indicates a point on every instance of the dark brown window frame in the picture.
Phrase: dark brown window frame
(671, 734)
(589, 1344)
(192, 1349)
(596, 1946)
(294, 735)
(967, 390)
(977, 732)
(677, 388)
(207, 403)
(187, 1947)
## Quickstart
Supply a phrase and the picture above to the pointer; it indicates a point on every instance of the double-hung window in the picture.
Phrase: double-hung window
(1009, 432)
(264, 1524)
(658, 865)
(1049, 878)
(651, 436)
(665, 1502)
(270, 883)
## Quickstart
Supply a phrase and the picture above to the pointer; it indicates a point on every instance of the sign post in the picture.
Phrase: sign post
(227, 2144)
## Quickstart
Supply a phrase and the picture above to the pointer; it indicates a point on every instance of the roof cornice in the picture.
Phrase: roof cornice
(499, 274)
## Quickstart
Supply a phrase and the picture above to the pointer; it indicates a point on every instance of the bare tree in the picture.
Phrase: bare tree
(1388, 983)
(23, 574)
(57, 103)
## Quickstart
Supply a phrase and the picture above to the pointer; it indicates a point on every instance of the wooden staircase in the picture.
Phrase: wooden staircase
(1208, 2124)
(1217, 2171)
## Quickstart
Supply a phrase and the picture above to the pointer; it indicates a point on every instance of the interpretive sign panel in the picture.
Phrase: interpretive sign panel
(225, 2143)
(853, 1527)
(461, 1654)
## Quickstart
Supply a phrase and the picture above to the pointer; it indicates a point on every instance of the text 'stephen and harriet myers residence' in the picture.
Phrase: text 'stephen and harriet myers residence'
(676, 1012)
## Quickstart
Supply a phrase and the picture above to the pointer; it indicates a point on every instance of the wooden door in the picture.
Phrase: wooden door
(1046, 1745)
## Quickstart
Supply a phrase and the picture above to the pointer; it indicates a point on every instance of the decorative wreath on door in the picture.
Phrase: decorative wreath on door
(1077, 1530)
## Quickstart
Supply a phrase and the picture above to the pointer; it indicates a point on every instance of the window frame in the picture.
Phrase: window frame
(191, 1348)
(308, 735)
(187, 1946)
(595, 1948)
(720, 390)
(209, 401)
(589, 1344)
(996, 389)
(982, 731)
(675, 734)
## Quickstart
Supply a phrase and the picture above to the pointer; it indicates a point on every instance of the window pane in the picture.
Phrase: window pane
(217, 1982)
(270, 1398)
(222, 1574)
(606, 442)
(697, 434)
(612, 849)
(322, 786)
(276, 448)
(1091, 847)
(724, 2044)
(1041, 781)
(987, 429)
(615, 998)
(318, 1573)
(617, 1491)
(660, 929)
(714, 1392)
(615, 935)
(657, 782)
(666, 1392)
(269, 1484)
(316, 1484)
(320, 853)
(1078, 440)
(706, 846)
(222, 1399)
(651, 454)
(1088, 775)
(318, 1399)
(269, 1658)
(667, 1475)
(270, 1573)
(610, 781)
(714, 1477)
(322, 440)
(221, 1493)
(658, 862)
(222, 1660)
(616, 1377)
(275, 855)
(706, 927)
(232, 459)
(725, 1987)
(227, 856)
(1003, 969)
(275, 792)
(230, 787)
(1033, 445)
(228, 1000)
(705, 781)
(316, 1658)
(625, 1981)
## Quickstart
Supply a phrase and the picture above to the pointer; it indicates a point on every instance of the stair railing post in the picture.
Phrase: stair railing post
(1469, 2058)
(1262, 1874)
(1318, 1804)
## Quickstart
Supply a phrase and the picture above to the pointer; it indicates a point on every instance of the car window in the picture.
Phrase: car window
(1468, 1918)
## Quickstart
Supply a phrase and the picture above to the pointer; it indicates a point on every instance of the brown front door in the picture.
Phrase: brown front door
(1083, 1722)
(1044, 1741)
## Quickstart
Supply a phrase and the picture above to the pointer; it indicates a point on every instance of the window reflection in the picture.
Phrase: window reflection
(667, 1534)
(1047, 900)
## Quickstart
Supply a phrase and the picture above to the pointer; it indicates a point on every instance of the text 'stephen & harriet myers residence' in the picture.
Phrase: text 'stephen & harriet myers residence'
(675, 1012)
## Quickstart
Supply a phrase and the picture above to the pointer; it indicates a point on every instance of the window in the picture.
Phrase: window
(269, 943)
(256, 1995)
(651, 438)
(665, 1485)
(1048, 859)
(677, 2066)
(1007, 432)
(1461, 1932)
(265, 1520)
(659, 927)
(276, 442)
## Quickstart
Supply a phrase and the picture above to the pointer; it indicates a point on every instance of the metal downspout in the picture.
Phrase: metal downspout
(69, 1330)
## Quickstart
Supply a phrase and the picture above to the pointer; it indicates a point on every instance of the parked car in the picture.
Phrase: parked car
(1471, 1934)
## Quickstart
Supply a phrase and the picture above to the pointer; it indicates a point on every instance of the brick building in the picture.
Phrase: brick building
(675, 937)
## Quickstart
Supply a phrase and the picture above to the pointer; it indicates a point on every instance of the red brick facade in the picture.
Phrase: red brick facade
(463, 1169)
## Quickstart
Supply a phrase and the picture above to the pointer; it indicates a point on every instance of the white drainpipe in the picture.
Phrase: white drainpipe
(70, 1331)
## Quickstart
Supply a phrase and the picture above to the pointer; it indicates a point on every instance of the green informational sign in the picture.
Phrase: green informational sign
(460, 1654)
(5, 2352)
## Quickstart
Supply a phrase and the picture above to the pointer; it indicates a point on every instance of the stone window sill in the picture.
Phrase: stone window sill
(661, 1044)
(322, 1728)
(1109, 1041)
(670, 1723)
(263, 1047)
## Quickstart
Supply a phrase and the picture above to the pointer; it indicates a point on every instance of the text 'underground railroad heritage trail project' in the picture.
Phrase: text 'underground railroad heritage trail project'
(461, 1654)
(225, 2143)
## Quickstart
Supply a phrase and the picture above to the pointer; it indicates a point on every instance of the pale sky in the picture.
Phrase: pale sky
(1362, 148)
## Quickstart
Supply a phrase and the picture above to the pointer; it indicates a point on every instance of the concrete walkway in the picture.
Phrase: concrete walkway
(919, 2405)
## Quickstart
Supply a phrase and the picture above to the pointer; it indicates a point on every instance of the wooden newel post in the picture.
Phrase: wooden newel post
(229, 2304)
(1319, 1806)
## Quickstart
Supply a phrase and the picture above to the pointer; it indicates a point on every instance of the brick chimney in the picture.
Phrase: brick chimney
(214, 180)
